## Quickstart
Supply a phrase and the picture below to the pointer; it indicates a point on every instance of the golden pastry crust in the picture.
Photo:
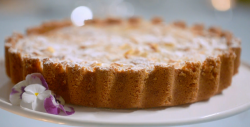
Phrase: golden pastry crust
(164, 85)
(48, 26)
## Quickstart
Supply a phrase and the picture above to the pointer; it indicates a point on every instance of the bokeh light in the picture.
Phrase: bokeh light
(80, 14)
(221, 5)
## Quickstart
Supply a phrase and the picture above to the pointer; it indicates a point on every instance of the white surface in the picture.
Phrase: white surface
(233, 100)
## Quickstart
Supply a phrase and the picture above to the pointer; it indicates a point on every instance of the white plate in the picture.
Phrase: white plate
(233, 100)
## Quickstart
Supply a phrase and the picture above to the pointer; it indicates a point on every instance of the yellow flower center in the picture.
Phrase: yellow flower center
(36, 94)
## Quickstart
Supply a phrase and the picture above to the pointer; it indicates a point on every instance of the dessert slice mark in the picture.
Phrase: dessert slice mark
(227, 70)
(209, 78)
(56, 77)
(186, 84)
(127, 90)
(159, 86)
(105, 79)
(16, 67)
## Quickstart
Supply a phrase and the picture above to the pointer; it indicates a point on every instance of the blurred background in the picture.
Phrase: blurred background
(233, 15)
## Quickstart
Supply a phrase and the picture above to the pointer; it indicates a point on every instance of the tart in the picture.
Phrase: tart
(133, 63)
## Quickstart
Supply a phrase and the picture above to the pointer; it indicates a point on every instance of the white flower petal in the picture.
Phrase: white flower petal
(35, 88)
(16, 92)
(26, 105)
(54, 102)
(15, 99)
(58, 99)
(35, 105)
(33, 79)
(28, 98)
(45, 94)
(29, 92)
(61, 100)
(19, 85)
(53, 98)
(39, 105)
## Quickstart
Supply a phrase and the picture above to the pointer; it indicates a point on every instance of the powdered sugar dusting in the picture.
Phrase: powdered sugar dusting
(126, 47)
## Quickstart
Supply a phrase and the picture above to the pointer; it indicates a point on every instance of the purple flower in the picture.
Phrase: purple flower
(18, 90)
(36, 78)
(22, 91)
(33, 93)
(13, 91)
(50, 107)
(53, 106)
(34, 96)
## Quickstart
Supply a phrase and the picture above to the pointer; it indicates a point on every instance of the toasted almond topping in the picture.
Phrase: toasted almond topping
(125, 46)
(128, 53)
(169, 44)
(155, 47)
(96, 64)
(136, 52)
(82, 47)
(113, 21)
(228, 35)
(51, 49)
(215, 31)
(198, 27)
(134, 20)
(144, 54)
(117, 64)
(156, 20)
(35, 53)
(180, 24)
(92, 21)
(134, 40)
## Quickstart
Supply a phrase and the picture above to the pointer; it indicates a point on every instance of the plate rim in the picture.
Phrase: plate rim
(69, 121)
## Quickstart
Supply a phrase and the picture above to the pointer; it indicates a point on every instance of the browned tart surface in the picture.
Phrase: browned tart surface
(132, 63)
